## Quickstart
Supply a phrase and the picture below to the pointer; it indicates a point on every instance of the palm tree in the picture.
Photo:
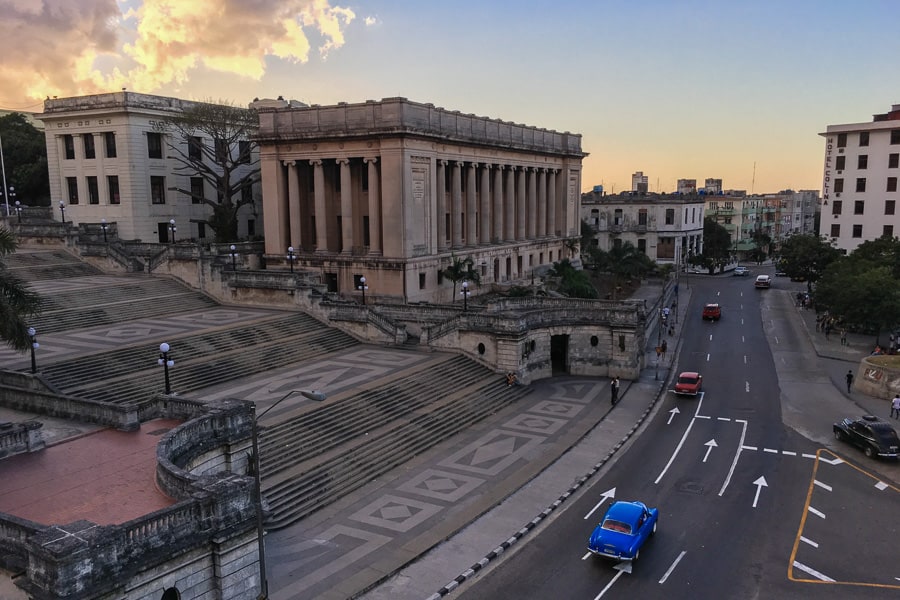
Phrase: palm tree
(17, 303)
(461, 269)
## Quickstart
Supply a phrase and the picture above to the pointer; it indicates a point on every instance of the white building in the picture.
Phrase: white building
(713, 186)
(859, 184)
(639, 182)
(686, 186)
(666, 227)
(108, 158)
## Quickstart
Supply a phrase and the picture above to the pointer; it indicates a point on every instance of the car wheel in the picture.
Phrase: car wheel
(870, 451)
(838, 435)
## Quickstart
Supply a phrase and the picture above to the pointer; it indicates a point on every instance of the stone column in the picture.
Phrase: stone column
(296, 235)
(275, 209)
(542, 203)
(520, 205)
(509, 210)
(484, 211)
(497, 213)
(374, 207)
(442, 205)
(532, 203)
(321, 210)
(551, 203)
(471, 206)
(456, 204)
(346, 207)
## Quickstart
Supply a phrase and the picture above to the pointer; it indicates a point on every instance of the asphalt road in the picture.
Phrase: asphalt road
(749, 507)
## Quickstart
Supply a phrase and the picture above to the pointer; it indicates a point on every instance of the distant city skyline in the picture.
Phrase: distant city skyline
(677, 89)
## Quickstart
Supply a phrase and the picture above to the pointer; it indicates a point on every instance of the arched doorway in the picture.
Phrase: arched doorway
(171, 594)
(559, 354)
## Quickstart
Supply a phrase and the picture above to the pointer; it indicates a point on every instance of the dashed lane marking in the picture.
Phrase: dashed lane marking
(806, 540)
(818, 513)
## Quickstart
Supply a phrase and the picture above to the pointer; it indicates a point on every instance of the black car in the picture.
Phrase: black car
(874, 436)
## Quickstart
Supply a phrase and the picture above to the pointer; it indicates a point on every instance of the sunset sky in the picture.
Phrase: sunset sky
(674, 88)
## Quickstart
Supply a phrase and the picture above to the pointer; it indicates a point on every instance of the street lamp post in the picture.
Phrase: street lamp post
(103, 227)
(314, 395)
(658, 343)
(62, 211)
(165, 363)
(34, 346)
(291, 257)
(19, 211)
(172, 229)
(234, 256)
(465, 294)
(363, 287)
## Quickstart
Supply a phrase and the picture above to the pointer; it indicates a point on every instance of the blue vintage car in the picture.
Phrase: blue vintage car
(624, 529)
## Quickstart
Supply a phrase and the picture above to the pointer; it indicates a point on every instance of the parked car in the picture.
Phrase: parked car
(689, 383)
(625, 528)
(763, 281)
(741, 271)
(713, 312)
(875, 437)
(780, 274)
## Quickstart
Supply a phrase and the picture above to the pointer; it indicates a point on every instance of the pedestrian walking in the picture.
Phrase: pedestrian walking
(663, 347)
(895, 406)
(614, 389)
(849, 380)
(843, 336)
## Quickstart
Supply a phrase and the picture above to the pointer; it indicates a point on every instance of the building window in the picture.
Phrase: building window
(247, 194)
(72, 185)
(893, 161)
(863, 138)
(642, 246)
(201, 231)
(244, 152)
(421, 281)
(858, 207)
(857, 231)
(888, 231)
(835, 230)
(670, 216)
(836, 207)
(195, 148)
(109, 139)
(841, 163)
(93, 190)
(69, 144)
(838, 185)
(440, 277)
(154, 145)
(89, 150)
(892, 184)
(862, 161)
(860, 184)
(197, 190)
(842, 140)
(642, 217)
(251, 227)
(895, 136)
(221, 151)
(157, 189)
(889, 207)
(112, 182)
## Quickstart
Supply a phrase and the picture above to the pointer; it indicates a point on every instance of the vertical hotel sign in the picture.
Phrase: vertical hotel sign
(826, 179)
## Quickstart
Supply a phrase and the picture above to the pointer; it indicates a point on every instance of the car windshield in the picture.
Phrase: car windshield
(687, 379)
(619, 526)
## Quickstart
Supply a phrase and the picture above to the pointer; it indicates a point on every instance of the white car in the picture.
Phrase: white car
(763, 281)
(741, 271)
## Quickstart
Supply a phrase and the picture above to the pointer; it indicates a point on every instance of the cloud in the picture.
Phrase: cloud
(58, 47)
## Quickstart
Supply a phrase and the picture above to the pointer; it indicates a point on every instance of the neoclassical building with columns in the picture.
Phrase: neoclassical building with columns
(394, 190)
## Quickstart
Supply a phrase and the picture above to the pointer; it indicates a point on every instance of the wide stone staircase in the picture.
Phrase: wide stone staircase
(47, 264)
(333, 449)
(129, 375)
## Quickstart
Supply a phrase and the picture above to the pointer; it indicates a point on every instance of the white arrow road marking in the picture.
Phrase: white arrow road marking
(760, 484)
(672, 568)
(709, 446)
(812, 572)
(610, 584)
(606, 496)
(623, 566)
(737, 455)
(672, 414)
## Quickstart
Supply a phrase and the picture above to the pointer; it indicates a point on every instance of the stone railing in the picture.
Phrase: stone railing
(14, 535)
(19, 438)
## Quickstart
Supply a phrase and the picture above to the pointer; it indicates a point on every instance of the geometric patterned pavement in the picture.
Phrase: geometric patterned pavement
(330, 553)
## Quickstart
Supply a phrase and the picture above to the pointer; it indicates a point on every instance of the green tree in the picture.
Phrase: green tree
(18, 304)
(25, 159)
(215, 144)
(572, 282)
(806, 257)
(883, 251)
(859, 296)
(461, 269)
(625, 262)
(716, 246)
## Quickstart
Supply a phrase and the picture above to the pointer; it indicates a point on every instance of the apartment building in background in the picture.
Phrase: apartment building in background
(639, 182)
(108, 158)
(859, 182)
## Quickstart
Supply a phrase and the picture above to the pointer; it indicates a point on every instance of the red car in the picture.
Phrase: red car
(713, 312)
(689, 383)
